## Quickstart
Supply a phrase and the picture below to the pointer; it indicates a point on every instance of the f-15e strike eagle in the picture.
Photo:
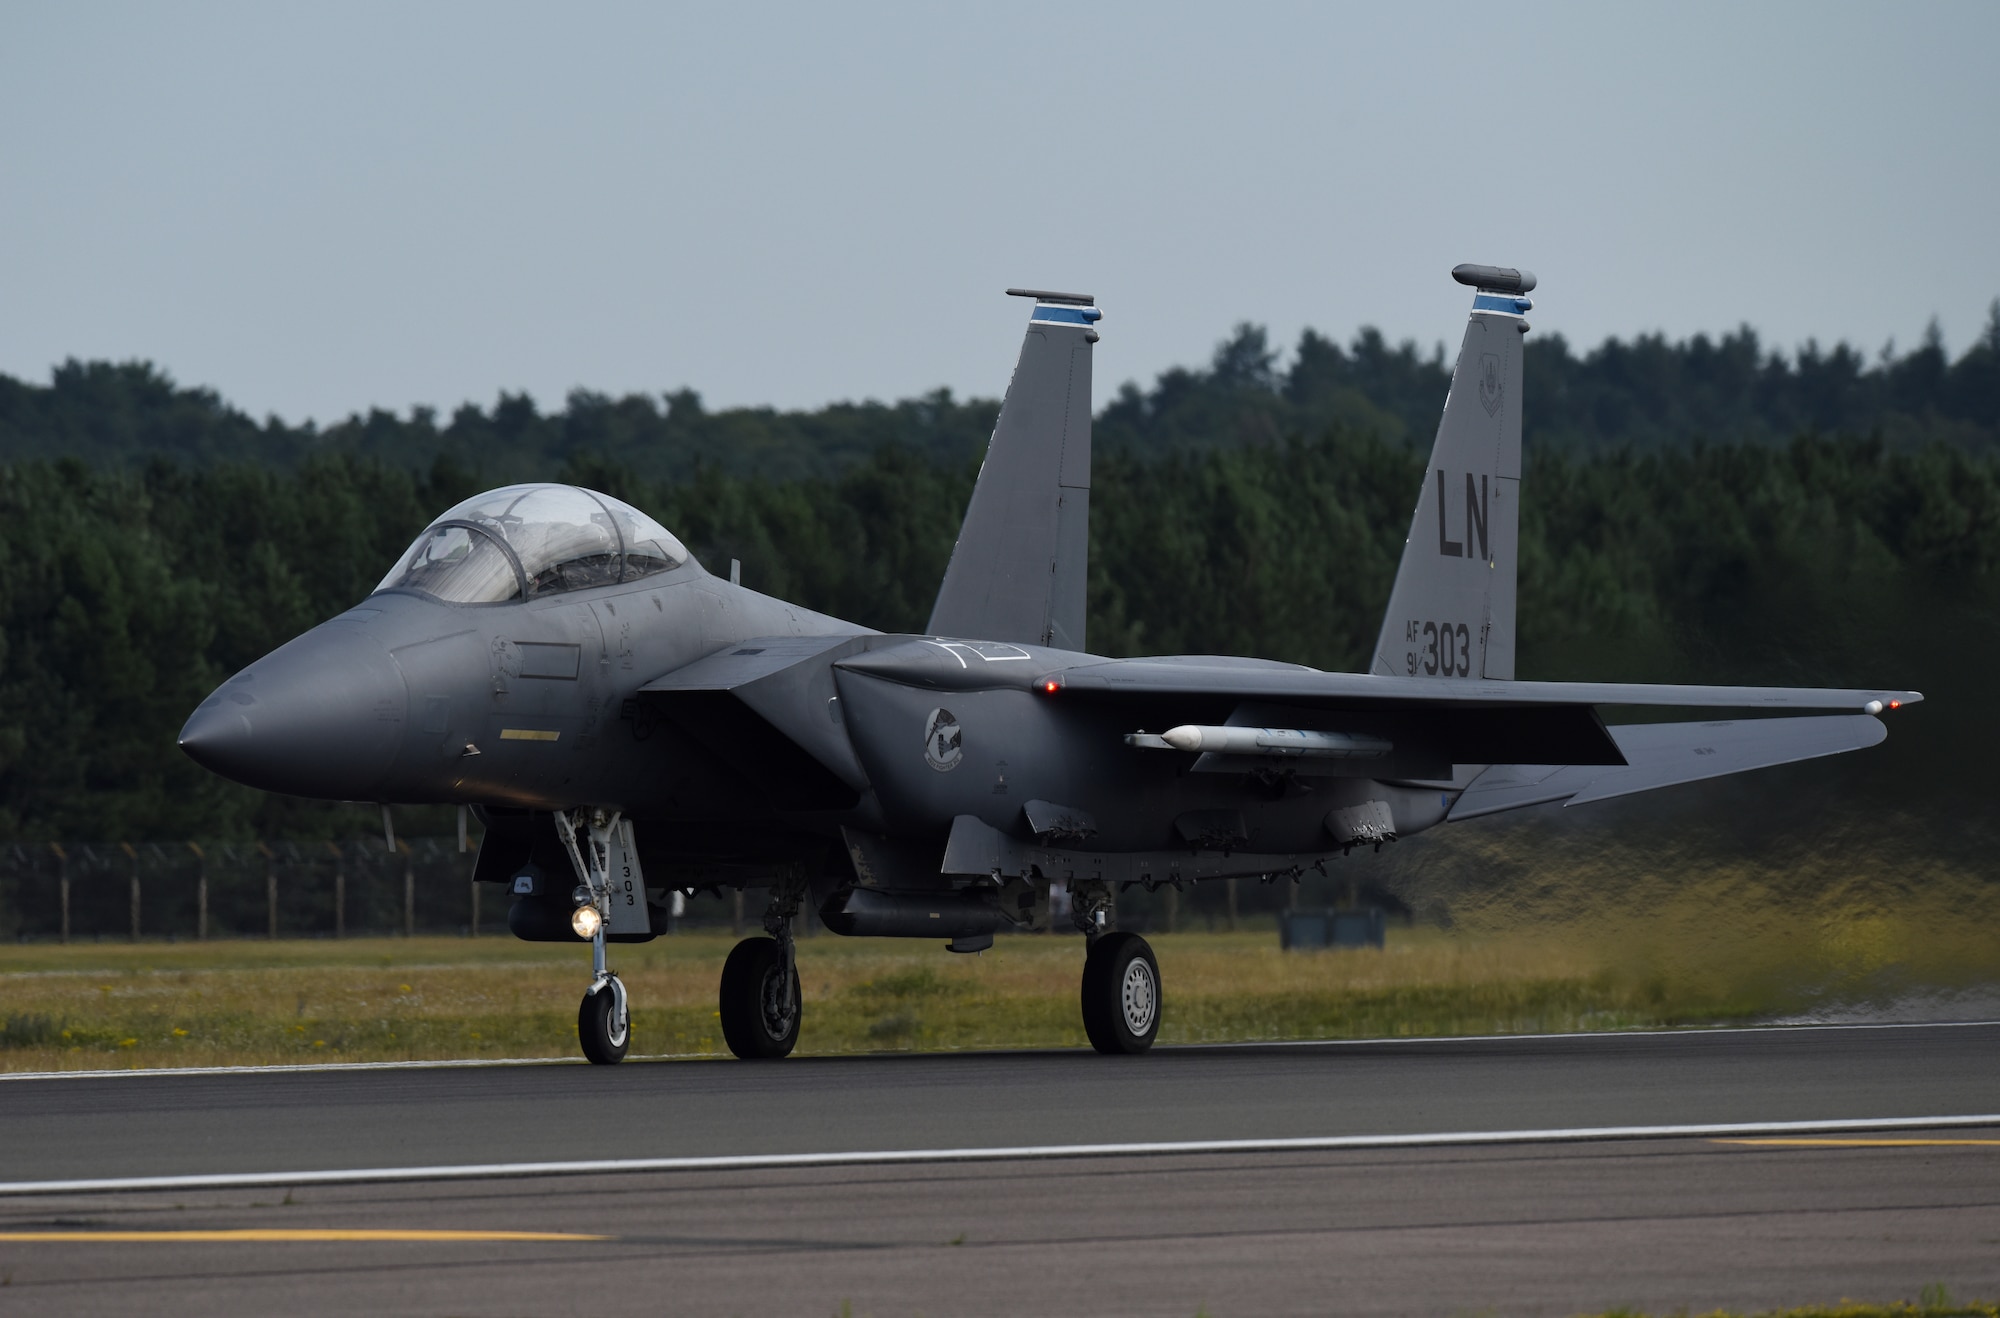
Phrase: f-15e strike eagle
(627, 726)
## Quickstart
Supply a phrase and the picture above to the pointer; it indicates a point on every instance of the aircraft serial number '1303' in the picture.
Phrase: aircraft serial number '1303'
(1445, 649)
(631, 730)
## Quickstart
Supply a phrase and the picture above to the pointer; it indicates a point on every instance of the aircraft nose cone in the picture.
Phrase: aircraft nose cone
(322, 716)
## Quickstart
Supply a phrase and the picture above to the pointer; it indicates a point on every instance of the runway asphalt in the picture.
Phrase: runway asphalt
(1503, 1228)
(162, 1125)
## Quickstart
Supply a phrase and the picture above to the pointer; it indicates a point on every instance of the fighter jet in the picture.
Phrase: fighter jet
(628, 726)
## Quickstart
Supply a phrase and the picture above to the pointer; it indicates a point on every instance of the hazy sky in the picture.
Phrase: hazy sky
(319, 208)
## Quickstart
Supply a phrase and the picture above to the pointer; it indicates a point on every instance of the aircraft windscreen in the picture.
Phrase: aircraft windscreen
(459, 565)
(534, 540)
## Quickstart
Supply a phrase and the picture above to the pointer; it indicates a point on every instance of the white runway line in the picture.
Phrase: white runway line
(1021, 1153)
(473, 1063)
(290, 1068)
(1692, 1032)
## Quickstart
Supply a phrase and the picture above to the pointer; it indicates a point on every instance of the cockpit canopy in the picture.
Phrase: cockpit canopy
(527, 541)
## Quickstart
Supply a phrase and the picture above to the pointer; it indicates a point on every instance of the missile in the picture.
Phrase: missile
(1280, 742)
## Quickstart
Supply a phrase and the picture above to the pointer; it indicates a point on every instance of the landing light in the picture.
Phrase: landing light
(586, 921)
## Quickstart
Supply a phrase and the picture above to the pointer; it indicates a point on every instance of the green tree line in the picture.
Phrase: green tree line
(1646, 393)
(128, 594)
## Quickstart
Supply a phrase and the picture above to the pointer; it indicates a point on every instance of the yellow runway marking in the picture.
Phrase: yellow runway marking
(529, 734)
(1867, 1144)
(280, 1236)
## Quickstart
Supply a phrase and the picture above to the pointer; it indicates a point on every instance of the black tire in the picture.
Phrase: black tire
(1121, 994)
(756, 1020)
(604, 1037)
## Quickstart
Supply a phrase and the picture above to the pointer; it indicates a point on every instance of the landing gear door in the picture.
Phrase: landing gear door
(628, 883)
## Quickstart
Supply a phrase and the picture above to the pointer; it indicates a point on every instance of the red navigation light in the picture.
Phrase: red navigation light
(1051, 685)
(1895, 704)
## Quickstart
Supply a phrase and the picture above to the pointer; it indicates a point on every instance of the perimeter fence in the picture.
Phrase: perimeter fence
(81, 892)
(170, 891)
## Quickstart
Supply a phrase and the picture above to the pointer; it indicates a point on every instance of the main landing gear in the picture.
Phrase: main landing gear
(761, 1002)
(1121, 979)
(604, 1020)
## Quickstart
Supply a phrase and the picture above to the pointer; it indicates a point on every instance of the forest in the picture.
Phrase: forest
(1702, 510)
(1645, 394)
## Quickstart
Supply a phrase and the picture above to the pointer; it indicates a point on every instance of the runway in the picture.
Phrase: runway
(1511, 1228)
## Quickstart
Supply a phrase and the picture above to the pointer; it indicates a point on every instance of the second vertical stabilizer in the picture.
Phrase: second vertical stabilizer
(1451, 613)
(1020, 566)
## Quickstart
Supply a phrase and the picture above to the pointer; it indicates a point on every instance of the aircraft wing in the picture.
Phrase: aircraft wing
(1434, 723)
(1665, 754)
(1285, 684)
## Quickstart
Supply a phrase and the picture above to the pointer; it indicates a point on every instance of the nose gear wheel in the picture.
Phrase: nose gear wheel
(604, 1023)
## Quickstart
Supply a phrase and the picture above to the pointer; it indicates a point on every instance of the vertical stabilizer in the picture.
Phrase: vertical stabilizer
(1451, 613)
(1018, 570)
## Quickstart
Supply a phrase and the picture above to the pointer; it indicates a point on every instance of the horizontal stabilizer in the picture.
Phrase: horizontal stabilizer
(1667, 754)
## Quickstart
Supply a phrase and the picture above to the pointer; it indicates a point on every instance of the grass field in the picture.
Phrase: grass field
(106, 1005)
(1537, 927)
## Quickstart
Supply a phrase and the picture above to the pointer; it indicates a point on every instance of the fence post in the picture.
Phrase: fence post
(409, 891)
(1231, 883)
(736, 911)
(475, 908)
(62, 884)
(1173, 907)
(339, 893)
(270, 889)
(132, 854)
(200, 893)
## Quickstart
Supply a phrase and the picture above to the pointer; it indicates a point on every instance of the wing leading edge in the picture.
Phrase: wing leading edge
(1306, 686)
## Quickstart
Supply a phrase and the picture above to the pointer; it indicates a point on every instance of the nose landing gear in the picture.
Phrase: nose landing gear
(761, 1001)
(609, 886)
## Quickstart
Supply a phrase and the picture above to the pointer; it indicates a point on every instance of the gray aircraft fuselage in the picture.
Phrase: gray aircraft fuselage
(540, 705)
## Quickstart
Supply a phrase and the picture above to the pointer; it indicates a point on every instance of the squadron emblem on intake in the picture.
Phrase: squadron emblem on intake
(942, 750)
